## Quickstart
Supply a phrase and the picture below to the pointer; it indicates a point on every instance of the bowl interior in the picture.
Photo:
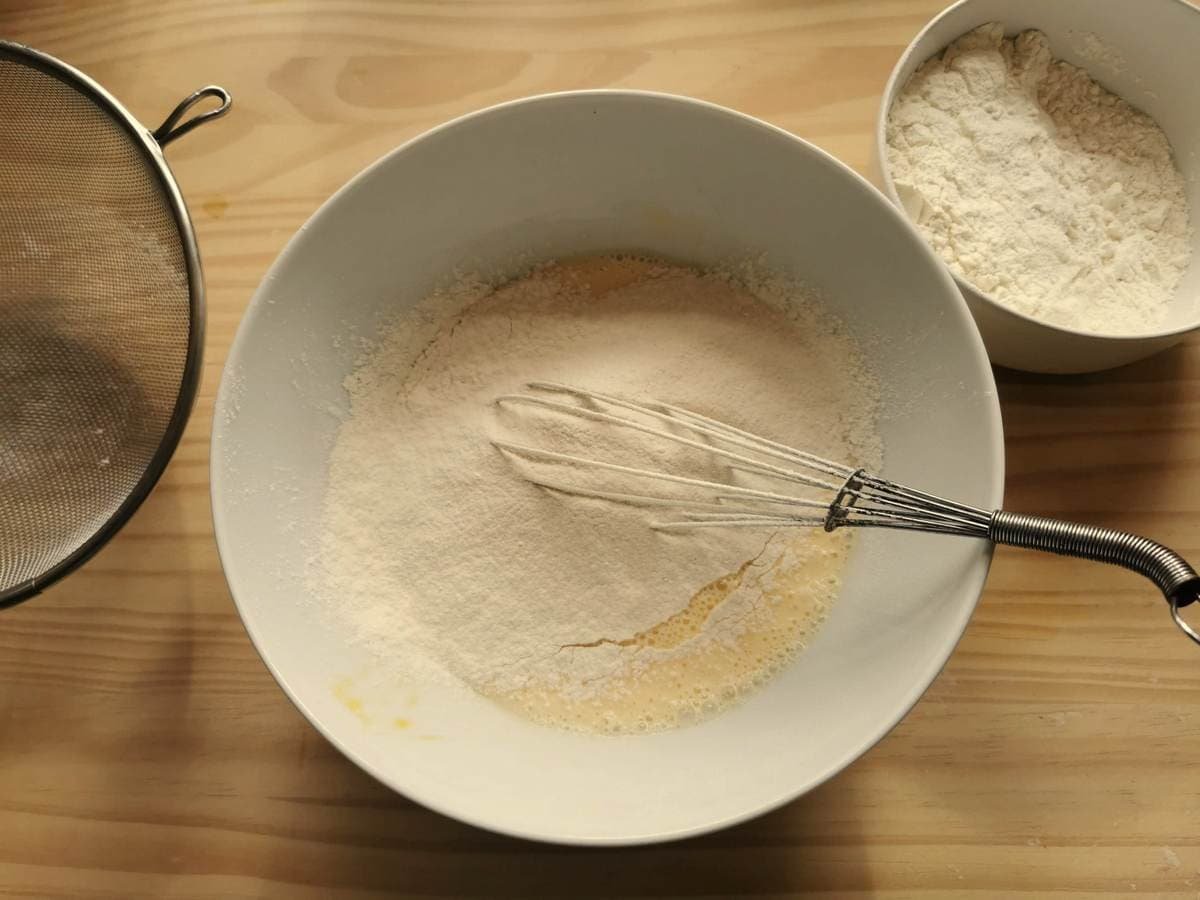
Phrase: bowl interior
(583, 173)
(1144, 52)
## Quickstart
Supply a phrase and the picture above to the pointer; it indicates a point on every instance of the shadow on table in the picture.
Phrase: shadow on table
(1101, 442)
(811, 844)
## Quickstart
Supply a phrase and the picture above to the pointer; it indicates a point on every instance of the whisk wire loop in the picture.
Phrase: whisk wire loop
(832, 495)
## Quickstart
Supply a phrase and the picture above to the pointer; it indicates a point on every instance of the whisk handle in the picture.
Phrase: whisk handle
(1176, 579)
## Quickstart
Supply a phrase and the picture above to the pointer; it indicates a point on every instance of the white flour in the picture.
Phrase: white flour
(1042, 189)
(446, 562)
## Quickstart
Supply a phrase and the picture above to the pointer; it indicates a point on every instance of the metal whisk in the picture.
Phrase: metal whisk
(821, 493)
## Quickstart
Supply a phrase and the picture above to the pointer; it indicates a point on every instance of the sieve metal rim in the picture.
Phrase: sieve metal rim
(150, 143)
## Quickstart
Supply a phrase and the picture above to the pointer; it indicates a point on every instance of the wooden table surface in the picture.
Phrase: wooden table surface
(145, 750)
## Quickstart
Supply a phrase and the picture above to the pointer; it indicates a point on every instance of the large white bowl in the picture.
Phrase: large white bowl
(1144, 51)
(584, 173)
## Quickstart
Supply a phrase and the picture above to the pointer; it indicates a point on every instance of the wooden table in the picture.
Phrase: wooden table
(144, 749)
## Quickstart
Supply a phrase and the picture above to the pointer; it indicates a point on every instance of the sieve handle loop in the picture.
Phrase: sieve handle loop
(173, 127)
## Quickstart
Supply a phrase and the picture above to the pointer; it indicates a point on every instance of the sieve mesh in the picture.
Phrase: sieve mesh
(97, 319)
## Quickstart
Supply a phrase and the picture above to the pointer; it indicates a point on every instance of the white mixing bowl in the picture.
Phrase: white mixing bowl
(1146, 52)
(572, 174)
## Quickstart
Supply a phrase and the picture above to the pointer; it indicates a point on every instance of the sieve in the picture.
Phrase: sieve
(101, 313)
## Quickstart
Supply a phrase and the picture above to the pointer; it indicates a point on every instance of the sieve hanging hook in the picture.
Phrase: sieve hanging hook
(171, 128)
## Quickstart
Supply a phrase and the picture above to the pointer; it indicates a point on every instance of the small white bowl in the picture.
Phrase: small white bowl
(1146, 52)
(563, 175)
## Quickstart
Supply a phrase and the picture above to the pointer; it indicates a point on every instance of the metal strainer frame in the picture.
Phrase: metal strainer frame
(151, 144)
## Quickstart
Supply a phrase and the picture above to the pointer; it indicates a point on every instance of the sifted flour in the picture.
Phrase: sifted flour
(445, 562)
(1038, 186)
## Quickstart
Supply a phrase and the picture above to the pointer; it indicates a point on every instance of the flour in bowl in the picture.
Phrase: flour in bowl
(436, 555)
(1039, 187)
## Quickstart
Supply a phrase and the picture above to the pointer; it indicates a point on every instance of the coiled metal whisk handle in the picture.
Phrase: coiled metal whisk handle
(816, 492)
(1177, 580)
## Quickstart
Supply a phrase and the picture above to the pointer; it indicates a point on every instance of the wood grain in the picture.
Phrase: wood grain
(146, 752)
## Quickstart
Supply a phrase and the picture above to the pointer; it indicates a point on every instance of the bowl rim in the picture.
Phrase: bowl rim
(891, 88)
(221, 509)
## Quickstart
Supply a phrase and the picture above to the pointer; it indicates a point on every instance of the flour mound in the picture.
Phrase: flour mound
(439, 557)
(1039, 187)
